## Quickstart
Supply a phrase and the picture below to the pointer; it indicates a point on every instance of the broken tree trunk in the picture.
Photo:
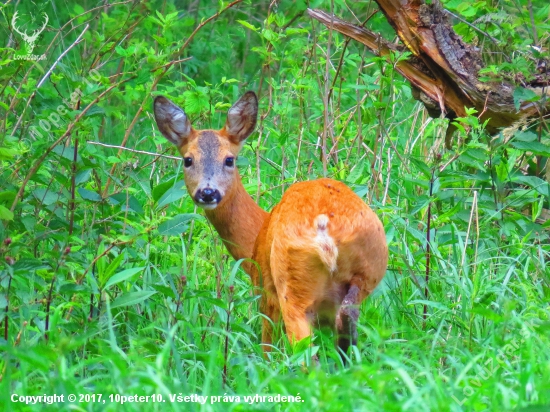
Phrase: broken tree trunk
(443, 70)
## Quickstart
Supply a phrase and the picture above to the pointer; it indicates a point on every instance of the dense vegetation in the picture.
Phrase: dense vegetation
(111, 281)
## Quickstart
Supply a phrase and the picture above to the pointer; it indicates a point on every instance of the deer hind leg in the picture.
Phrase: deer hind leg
(270, 308)
(346, 320)
(269, 305)
(297, 315)
(300, 279)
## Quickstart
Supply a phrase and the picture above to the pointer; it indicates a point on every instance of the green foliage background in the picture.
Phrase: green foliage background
(112, 282)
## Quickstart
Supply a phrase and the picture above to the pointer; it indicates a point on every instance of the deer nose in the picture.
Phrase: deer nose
(208, 195)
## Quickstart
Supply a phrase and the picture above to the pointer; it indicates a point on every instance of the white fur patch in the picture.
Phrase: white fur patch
(328, 251)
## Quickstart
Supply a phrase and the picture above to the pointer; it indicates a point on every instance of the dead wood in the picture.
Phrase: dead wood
(442, 68)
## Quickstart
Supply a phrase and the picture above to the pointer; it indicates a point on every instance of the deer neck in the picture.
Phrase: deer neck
(238, 220)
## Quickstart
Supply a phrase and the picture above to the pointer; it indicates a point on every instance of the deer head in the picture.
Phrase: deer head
(30, 40)
(209, 156)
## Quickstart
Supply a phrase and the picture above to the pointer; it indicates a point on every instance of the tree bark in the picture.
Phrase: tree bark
(443, 69)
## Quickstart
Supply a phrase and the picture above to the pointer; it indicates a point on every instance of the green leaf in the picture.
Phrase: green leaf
(66, 152)
(436, 185)
(525, 136)
(113, 160)
(74, 288)
(120, 51)
(161, 188)
(247, 25)
(269, 35)
(132, 298)
(45, 196)
(356, 173)
(422, 166)
(534, 147)
(29, 222)
(536, 183)
(105, 274)
(473, 157)
(78, 9)
(165, 290)
(170, 196)
(127, 202)
(295, 30)
(487, 313)
(421, 237)
(7, 196)
(122, 276)
(524, 95)
(26, 265)
(160, 16)
(361, 191)
(171, 16)
(95, 110)
(177, 224)
(82, 176)
(143, 77)
(5, 213)
(196, 101)
(423, 201)
(6, 154)
(89, 195)
(161, 40)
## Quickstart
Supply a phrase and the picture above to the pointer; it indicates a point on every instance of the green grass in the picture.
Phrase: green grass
(146, 301)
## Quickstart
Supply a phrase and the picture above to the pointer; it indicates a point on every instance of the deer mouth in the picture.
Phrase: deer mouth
(207, 206)
(207, 198)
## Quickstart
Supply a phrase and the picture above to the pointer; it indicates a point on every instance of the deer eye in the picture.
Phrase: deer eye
(187, 161)
(230, 162)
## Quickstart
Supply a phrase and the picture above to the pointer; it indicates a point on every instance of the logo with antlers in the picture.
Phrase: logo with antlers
(30, 39)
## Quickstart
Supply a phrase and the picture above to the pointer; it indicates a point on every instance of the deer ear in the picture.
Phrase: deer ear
(241, 118)
(172, 121)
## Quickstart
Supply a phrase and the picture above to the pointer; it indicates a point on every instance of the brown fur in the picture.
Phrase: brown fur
(321, 250)
(297, 279)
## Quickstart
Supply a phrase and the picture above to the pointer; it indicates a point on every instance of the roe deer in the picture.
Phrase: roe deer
(321, 250)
